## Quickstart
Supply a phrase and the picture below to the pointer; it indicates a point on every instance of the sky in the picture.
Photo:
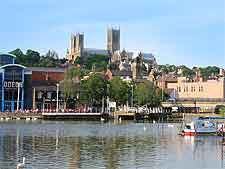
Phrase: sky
(180, 32)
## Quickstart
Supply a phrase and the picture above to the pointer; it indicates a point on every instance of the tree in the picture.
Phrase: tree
(52, 54)
(32, 57)
(20, 57)
(147, 93)
(118, 90)
(71, 84)
(209, 71)
(93, 89)
(50, 59)
(187, 72)
(98, 61)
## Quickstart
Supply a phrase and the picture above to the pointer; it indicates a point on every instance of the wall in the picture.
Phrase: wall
(211, 89)
(43, 76)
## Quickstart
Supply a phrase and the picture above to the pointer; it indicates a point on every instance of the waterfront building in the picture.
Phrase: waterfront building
(13, 84)
(44, 86)
(210, 89)
(196, 96)
(27, 87)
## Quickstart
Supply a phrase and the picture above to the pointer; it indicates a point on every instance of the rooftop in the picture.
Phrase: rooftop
(46, 69)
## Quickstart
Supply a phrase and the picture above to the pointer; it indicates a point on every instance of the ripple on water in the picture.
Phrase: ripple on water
(89, 145)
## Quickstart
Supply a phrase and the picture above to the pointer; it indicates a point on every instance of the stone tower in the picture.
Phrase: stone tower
(113, 40)
(76, 46)
(136, 67)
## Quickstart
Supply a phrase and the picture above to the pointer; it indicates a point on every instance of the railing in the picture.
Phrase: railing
(202, 99)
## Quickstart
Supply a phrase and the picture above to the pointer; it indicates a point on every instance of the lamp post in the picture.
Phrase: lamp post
(57, 97)
(162, 94)
(18, 97)
(132, 95)
(107, 99)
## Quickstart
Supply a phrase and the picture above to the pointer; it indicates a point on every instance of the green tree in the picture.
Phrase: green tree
(50, 59)
(20, 57)
(32, 57)
(209, 71)
(118, 90)
(147, 93)
(93, 89)
(71, 85)
(98, 61)
(187, 72)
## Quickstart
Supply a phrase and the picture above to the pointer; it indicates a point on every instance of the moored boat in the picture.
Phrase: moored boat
(200, 127)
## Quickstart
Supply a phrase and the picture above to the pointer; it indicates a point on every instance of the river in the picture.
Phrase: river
(96, 145)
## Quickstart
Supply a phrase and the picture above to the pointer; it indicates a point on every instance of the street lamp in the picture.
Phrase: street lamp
(107, 99)
(18, 97)
(57, 97)
(132, 95)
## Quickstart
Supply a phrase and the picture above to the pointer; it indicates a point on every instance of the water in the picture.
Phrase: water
(96, 145)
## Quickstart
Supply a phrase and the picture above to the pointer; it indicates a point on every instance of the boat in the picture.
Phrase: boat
(200, 126)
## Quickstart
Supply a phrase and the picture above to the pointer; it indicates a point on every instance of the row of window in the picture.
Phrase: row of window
(47, 95)
(192, 89)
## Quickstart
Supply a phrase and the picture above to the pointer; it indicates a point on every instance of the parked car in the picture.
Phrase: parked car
(142, 109)
(132, 109)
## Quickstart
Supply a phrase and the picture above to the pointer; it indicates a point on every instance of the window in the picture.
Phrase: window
(6, 59)
(49, 95)
(39, 95)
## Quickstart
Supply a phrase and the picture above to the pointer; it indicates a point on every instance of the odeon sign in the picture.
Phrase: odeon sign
(12, 84)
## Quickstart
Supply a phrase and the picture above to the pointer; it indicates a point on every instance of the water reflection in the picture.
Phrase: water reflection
(76, 145)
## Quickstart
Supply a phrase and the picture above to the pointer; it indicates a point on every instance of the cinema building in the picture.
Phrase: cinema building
(27, 87)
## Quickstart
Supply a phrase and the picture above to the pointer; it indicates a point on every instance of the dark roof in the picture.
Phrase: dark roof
(46, 69)
(140, 80)
(121, 73)
(36, 83)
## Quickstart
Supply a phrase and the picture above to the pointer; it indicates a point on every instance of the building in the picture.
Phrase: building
(76, 47)
(166, 79)
(113, 40)
(196, 96)
(14, 84)
(27, 87)
(124, 75)
(44, 86)
(210, 90)
(93, 51)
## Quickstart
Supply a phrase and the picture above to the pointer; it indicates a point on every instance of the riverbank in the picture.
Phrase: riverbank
(92, 116)
(18, 116)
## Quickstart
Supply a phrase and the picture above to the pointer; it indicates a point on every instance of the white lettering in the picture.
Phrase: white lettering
(12, 84)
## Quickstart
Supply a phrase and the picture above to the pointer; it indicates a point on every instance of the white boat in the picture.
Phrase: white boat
(200, 127)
